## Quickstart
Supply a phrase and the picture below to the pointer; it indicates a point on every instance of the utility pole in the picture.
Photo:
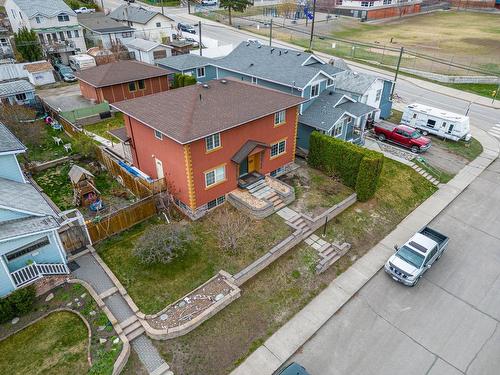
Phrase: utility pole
(189, 7)
(102, 6)
(271, 33)
(397, 72)
(312, 25)
(199, 44)
(162, 12)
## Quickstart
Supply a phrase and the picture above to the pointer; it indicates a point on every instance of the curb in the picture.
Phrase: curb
(278, 348)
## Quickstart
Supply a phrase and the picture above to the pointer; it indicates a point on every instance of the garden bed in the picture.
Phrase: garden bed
(153, 287)
(59, 341)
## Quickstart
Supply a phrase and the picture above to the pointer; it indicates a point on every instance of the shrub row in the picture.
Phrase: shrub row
(19, 302)
(357, 167)
(181, 80)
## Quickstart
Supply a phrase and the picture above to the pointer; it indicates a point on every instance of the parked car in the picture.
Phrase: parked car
(293, 369)
(65, 72)
(194, 41)
(416, 256)
(84, 10)
(186, 27)
(209, 2)
(436, 121)
(402, 135)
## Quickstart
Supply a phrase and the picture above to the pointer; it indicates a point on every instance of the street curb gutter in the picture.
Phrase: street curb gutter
(296, 332)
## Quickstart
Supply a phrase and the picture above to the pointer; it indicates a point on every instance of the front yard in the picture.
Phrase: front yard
(286, 286)
(154, 287)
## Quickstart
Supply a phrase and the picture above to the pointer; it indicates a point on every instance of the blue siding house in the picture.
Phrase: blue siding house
(30, 247)
(325, 87)
(17, 92)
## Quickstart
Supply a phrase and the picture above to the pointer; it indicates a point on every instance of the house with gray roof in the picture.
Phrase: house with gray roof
(17, 92)
(190, 64)
(148, 24)
(103, 31)
(148, 51)
(30, 246)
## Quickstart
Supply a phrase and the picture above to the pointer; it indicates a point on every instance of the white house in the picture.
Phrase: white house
(148, 24)
(53, 20)
(148, 51)
(102, 31)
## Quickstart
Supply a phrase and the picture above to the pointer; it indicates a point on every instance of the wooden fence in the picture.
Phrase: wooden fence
(122, 219)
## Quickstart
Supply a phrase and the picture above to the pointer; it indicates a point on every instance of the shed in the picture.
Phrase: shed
(17, 92)
(84, 191)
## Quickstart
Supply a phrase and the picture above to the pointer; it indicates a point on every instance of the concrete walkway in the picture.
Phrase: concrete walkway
(92, 272)
(287, 340)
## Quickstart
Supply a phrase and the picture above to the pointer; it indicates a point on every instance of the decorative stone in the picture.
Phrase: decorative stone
(76, 299)
(83, 295)
(219, 296)
(102, 341)
(163, 317)
(116, 341)
(15, 320)
(92, 313)
(69, 304)
(49, 297)
(101, 328)
(182, 304)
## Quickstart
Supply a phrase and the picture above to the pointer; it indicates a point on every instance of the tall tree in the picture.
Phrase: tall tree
(28, 45)
(236, 5)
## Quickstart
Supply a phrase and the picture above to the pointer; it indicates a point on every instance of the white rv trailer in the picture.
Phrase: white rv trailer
(436, 121)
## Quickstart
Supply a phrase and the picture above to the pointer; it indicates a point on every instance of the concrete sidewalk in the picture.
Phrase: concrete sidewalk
(288, 339)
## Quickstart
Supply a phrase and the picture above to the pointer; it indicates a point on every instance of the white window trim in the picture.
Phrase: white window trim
(213, 137)
(277, 116)
(254, 80)
(312, 86)
(198, 75)
(156, 135)
(216, 179)
(278, 153)
(331, 84)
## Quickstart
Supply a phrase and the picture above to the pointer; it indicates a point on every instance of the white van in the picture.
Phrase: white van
(436, 121)
(81, 62)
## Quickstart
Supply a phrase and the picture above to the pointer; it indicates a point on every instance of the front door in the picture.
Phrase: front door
(254, 163)
(159, 169)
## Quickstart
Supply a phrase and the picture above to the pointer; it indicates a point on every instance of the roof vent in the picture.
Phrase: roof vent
(259, 46)
(298, 54)
(205, 86)
(248, 43)
(272, 49)
(330, 93)
(280, 53)
(285, 52)
(223, 81)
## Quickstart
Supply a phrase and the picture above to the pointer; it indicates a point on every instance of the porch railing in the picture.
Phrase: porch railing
(34, 271)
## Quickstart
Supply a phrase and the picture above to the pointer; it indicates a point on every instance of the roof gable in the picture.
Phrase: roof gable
(8, 142)
(47, 8)
(133, 13)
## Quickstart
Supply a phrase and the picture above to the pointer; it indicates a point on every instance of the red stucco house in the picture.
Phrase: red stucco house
(122, 80)
(206, 140)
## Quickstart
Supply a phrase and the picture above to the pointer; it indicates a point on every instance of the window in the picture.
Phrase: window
(158, 24)
(5, 43)
(54, 37)
(63, 18)
(160, 54)
(38, 20)
(254, 80)
(378, 95)
(278, 172)
(315, 90)
(142, 84)
(431, 123)
(414, 115)
(127, 34)
(337, 130)
(364, 3)
(131, 86)
(28, 248)
(371, 3)
(76, 33)
(216, 202)
(158, 135)
(450, 129)
(329, 82)
(212, 142)
(279, 117)
(387, 2)
(61, 36)
(13, 14)
(215, 176)
(21, 96)
(339, 2)
(68, 33)
(278, 148)
(200, 72)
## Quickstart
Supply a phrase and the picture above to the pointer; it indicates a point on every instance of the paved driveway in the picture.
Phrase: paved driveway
(447, 325)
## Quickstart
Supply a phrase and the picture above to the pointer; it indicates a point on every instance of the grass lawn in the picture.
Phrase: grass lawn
(55, 345)
(166, 3)
(47, 149)
(154, 287)
(442, 176)
(277, 293)
(469, 151)
(395, 116)
(101, 128)
(483, 89)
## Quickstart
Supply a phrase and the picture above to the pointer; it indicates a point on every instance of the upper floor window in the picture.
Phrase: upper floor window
(76, 33)
(158, 135)
(215, 176)
(68, 33)
(254, 80)
(378, 95)
(329, 82)
(131, 86)
(38, 20)
(315, 90)
(63, 18)
(279, 117)
(337, 130)
(127, 34)
(200, 72)
(13, 13)
(158, 24)
(142, 84)
(387, 2)
(278, 148)
(212, 142)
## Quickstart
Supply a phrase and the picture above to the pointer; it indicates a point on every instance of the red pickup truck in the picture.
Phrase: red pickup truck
(402, 135)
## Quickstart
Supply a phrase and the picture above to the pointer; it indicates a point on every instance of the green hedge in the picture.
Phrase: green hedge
(181, 80)
(357, 167)
(19, 302)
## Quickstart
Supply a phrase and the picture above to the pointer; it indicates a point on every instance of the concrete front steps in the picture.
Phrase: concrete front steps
(132, 327)
(261, 190)
(300, 223)
(423, 173)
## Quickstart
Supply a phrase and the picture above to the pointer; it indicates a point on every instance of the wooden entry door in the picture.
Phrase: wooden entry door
(254, 162)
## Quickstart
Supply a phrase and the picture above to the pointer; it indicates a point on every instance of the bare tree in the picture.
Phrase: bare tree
(230, 227)
(287, 9)
(21, 122)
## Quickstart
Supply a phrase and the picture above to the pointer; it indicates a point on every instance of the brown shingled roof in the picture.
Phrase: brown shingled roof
(43, 66)
(193, 112)
(120, 72)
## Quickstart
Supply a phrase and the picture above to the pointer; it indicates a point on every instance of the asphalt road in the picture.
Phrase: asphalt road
(446, 325)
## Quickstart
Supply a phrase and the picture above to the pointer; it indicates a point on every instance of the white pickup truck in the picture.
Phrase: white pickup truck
(416, 256)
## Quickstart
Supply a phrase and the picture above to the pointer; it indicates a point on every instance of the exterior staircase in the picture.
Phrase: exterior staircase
(261, 190)
(34, 271)
(425, 174)
(132, 327)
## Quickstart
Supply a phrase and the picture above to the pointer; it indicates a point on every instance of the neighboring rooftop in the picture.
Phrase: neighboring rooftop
(119, 72)
(48, 8)
(15, 87)
(285, 66)
(42, 66)
(193, 112)
(8, 141)
(101, 24)
(354, 82)
(133, 13)
(143, 44)
(184, 62)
